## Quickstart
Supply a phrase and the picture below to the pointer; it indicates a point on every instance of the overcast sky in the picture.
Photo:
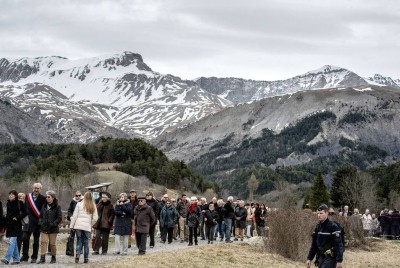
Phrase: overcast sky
(263, 40)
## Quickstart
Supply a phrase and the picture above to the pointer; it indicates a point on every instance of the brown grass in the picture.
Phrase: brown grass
(385, 254)
(222, 255)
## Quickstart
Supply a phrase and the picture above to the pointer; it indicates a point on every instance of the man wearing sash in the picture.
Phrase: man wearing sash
(34, 203)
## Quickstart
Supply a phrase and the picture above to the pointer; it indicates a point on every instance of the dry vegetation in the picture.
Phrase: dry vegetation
(384, 254)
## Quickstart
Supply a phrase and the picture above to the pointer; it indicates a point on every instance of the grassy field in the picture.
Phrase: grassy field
(383, 254)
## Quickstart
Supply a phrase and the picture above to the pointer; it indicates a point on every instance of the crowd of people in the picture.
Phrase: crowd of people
(130, 218)
(385, 225)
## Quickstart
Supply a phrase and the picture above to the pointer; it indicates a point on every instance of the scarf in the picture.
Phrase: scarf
(192, 207)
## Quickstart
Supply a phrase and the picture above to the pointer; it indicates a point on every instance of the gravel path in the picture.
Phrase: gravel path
(106, 260)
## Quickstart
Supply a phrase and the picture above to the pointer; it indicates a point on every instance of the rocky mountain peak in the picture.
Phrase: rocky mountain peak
(383, 80)
(326, 69)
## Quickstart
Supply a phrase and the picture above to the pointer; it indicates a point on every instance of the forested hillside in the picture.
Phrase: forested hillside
(134, 156)
(232, 166)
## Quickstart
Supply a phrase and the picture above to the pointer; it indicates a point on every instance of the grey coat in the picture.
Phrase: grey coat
(144, 218)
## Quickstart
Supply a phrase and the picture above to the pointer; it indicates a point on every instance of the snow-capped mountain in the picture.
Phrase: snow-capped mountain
(384, 80)
(240, 90)
(120, 95)
(119, 91)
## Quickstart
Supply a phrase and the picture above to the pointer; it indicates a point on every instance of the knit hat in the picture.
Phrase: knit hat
(193, 198)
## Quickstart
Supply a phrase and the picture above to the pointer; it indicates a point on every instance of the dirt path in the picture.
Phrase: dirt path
(107, 260)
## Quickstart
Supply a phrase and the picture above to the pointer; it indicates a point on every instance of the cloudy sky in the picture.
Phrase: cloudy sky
(263, 40)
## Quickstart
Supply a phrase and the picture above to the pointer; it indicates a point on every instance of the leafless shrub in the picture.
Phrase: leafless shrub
(290, 233)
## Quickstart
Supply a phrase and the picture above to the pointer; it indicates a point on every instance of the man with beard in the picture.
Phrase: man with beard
(34, 203)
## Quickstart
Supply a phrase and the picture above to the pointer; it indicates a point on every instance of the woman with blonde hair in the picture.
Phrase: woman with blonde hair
(84, 217)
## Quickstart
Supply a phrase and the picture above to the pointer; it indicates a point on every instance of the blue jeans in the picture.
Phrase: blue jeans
(228, 229)
(82, 239)
(12, 250)
(220, 228)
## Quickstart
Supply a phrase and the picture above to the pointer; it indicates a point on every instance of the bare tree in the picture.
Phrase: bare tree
(252, 185)
(358, 191)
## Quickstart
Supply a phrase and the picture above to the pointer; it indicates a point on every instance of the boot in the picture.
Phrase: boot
(53, 259)
(42, 259)
(77, 258)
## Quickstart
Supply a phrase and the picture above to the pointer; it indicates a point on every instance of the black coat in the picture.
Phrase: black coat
(168, 217)
(71, 208)
(228, 210)
(33, 225)
(154, 205)
(16, 211)
(212, 217)
(193, 218)
(240, 217)
(220, 211)
(260, 216)
(123, 222)
(50, 218)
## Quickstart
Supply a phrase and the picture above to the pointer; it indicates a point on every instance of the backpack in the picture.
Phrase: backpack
(330, 229)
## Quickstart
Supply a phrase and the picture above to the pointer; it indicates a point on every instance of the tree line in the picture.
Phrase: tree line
(134, 156)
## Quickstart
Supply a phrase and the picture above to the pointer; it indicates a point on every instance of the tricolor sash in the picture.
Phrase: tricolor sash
(33, 205)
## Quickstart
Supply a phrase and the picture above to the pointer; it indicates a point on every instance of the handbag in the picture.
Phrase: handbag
(94, 241)
(69, 250)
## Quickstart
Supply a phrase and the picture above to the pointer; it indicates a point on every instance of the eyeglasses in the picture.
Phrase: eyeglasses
(77, 195)
(141, 200)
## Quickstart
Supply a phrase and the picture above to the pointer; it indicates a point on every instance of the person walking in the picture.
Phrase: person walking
(84, 217)
(168, 219)
(16, 211)
(260, 218)
(144, 218)
(182, 208)
(134, 201)
(210, 218)
(21, 197)
(123, 223)
(50, 218)
(34, 203)
(104, 223)
(193, 220)
(77, 198)
(240, 220)
(326, 242)
(229, 214)
(151, 202)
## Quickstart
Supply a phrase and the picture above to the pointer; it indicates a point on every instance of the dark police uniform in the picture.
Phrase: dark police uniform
(327, 245)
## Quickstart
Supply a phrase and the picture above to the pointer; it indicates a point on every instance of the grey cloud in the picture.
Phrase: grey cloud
(253, 39)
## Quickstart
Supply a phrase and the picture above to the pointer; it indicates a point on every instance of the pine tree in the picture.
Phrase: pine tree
(319, 192)
(339, 180)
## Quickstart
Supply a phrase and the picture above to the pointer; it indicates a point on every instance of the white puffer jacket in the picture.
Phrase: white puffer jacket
(81, 220)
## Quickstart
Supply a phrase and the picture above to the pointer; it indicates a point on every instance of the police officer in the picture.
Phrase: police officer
(326, 242)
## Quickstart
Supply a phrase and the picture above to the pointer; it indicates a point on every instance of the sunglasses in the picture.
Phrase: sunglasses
(77, 195)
